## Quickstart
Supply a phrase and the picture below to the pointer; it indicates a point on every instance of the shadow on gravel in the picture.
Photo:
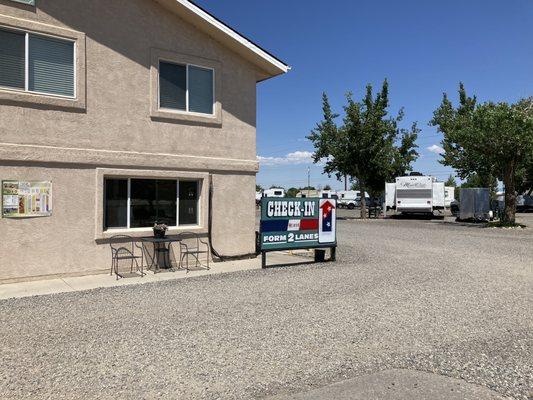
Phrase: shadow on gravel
(477, 225)
(286, 265)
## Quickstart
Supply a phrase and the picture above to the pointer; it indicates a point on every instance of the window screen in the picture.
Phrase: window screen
(172, 86)
(12, 59)
(200, 90)
(51, 66)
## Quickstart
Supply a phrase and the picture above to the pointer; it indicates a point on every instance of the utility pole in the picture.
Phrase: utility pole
(308, 180)
(346, 182)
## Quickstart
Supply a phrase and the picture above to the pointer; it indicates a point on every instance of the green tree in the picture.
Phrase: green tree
(475, 181)
(327, 187)
(492, 140)
(258, 188)
(525, 171)
(292, 192)
(525, 178)
(450, 182)
(369, 146)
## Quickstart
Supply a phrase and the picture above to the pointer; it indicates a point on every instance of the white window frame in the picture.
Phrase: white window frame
(186, 111)
(128, 211)
(26, 2)
(27, 63)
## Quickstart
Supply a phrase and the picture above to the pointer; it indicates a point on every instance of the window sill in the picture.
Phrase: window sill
(142, 232)
(41, 101)
(187, 118)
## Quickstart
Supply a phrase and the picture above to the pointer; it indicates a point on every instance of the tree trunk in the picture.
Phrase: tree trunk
(509, 213)
(363, 200)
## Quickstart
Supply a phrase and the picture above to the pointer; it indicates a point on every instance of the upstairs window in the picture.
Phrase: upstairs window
(185, 87)
(36, 64)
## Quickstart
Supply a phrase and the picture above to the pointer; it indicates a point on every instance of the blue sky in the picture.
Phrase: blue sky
(424, 48)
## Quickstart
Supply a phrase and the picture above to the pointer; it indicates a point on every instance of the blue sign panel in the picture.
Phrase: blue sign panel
(297, 223)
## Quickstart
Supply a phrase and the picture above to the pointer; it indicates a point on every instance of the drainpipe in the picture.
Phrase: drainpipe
(214, 252)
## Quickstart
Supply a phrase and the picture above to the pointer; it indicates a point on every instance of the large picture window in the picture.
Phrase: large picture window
(186, 87)
(36, 63)
(140, 203)
(153, 201)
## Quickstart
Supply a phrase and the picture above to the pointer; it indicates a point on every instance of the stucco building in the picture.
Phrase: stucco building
(118, 114)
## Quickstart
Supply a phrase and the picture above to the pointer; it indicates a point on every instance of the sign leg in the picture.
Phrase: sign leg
(333, 254)
(263, 259)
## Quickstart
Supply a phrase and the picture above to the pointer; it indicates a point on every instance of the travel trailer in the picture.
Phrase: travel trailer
(274, 192)
(323, 194)
(328, 194)
(418, 195)
(449, 196)
(350, 198)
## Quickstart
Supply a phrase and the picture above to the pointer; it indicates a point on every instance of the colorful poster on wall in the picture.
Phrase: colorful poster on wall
(26, 199)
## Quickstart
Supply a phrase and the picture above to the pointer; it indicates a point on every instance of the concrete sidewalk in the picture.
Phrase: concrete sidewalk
(73, 284)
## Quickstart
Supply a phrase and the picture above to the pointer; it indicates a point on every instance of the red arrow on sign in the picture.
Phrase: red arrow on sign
(327, 207)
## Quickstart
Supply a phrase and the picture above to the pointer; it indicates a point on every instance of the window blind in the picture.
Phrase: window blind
(51, 66)
(200, 90)
(172, 86)
(12, 64)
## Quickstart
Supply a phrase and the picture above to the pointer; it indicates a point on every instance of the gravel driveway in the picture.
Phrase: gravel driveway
(419, 295)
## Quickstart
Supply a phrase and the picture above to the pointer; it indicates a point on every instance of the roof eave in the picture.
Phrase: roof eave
(229, 37)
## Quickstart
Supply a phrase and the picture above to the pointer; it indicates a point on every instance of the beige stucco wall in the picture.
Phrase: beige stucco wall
(114, 127)
(119, 39)
(66, 243)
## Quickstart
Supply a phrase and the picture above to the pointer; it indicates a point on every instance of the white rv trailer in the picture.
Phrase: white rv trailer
(328, 194)
(323, 194)
(274, 192)
(350, 198)
(418, 194)
(449, 196)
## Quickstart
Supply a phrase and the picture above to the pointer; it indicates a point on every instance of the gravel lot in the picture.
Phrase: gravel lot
(422, 295)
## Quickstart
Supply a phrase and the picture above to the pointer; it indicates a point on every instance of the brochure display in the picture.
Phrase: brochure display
(26, 199)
